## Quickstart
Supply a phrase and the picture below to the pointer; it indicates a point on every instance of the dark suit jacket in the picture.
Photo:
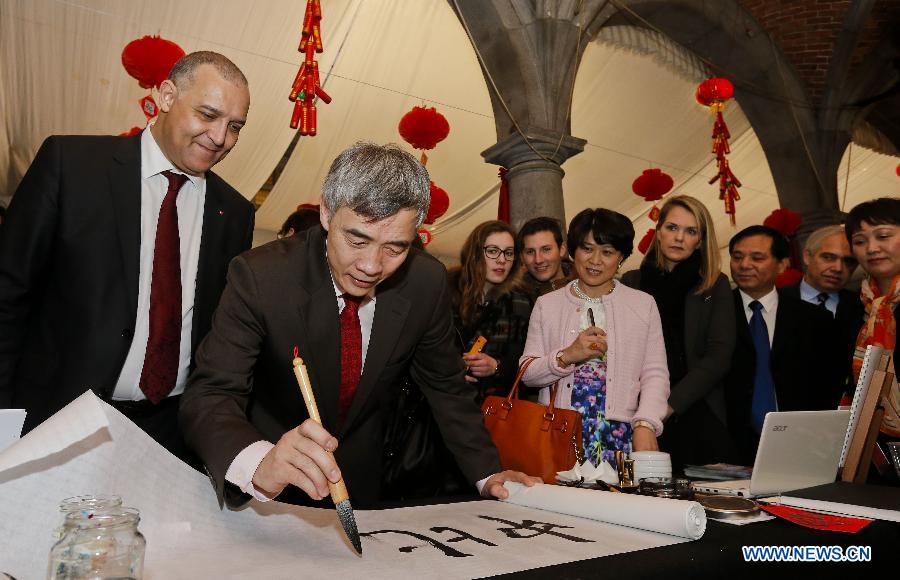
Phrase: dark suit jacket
(806, 362)
(849, 317)
(69, 263)
(281, 295)
(708, 346)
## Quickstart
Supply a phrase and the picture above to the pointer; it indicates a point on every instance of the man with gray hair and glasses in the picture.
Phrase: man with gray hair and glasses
(829, 265)
(361, 307)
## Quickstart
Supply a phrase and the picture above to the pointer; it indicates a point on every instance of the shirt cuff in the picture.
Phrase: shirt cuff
(479, 485)
(243, 468)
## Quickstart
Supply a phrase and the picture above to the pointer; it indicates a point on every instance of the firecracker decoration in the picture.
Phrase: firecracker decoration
(423, 128)
(425, 236)
(713, 93)
(503, 203)
(652, 185)
(306, 86)
(149, 61)
(787, 222)
(440, 203)
(644, 244)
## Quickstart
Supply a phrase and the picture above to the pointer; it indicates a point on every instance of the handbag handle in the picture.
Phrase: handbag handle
(514, 391)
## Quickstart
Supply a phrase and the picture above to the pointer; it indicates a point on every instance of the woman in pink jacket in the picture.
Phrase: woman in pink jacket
(602, 342)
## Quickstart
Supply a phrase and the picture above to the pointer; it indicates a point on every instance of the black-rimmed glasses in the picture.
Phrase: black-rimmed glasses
(493, 252)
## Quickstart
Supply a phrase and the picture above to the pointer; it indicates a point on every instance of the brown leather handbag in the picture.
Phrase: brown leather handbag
(535, 439)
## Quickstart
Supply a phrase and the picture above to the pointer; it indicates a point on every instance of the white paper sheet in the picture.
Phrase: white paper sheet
(11, 421)
(89, 447)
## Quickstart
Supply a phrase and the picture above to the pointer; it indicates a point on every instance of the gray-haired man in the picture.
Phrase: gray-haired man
(362, 307)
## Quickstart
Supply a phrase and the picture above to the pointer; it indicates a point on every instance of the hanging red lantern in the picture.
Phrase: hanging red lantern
(644, 244)
(652, 184)
(149, 59)
(423, 128)
(440, 203)
(714, 90)
(713, 93)
(790, 277)
(784, 221)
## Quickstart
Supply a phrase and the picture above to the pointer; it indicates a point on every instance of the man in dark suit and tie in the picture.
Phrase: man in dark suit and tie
(829, 265)
(114, 255)
(788, 353)
(361, 307)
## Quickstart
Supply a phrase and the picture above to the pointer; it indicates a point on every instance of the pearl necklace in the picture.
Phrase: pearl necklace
(583, 295)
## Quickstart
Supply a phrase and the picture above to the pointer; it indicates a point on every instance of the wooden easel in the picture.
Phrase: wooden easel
(868, 413)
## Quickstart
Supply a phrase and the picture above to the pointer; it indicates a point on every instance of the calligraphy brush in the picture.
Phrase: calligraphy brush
(338, 490)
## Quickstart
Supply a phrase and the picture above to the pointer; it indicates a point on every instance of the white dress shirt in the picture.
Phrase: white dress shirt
(190, 202)
(811, 295)
(769, 309)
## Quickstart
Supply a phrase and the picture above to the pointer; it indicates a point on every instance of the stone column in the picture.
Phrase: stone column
(535, 175)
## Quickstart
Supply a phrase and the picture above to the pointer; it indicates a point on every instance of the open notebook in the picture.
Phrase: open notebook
(797, 449)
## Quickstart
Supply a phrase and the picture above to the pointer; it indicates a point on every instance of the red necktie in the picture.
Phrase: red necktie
(351, 354)
(164, 343)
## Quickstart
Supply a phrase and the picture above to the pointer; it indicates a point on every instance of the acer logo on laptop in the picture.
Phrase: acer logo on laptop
(779, 428)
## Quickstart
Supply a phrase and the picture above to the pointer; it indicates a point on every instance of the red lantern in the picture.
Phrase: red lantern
(645, 242)
(652, 184)
(784, 220)
(898, 169)
(440, 203)
(790, 277)
(423, 128)
(714, 90)
(149, 59)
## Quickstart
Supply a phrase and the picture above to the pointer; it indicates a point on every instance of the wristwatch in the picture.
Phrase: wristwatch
(560, 361)
(643, 423)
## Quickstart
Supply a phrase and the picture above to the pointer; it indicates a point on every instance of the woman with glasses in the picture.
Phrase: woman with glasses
(602, 342)
(681, 271)
(490, 301)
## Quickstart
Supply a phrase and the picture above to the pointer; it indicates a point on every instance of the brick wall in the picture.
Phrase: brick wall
(806, 31)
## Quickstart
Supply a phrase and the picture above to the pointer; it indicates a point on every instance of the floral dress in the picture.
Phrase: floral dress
(602, 437)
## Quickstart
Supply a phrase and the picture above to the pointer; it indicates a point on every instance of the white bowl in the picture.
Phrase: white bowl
(657, 455)
(652, 462)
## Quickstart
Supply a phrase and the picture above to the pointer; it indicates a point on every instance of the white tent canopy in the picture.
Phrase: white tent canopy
(60, 72)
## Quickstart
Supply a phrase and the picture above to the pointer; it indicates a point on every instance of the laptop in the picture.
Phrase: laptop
(797, 449)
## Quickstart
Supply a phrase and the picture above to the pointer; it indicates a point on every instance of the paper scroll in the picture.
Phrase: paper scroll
(686, 519)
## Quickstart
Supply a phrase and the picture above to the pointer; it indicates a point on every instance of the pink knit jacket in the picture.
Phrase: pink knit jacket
(637, 383)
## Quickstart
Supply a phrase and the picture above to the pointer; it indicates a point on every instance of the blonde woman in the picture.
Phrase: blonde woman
(681, 271)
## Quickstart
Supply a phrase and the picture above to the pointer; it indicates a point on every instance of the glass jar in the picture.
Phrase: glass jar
(103, 545)
(86, 506)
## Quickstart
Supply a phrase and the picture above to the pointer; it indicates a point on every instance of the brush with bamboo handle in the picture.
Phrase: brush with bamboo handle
(339, 494)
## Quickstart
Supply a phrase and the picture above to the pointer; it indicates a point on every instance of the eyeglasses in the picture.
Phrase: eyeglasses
(493, 252)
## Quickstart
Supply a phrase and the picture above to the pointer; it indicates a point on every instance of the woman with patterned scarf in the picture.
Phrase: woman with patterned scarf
(873, 230)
